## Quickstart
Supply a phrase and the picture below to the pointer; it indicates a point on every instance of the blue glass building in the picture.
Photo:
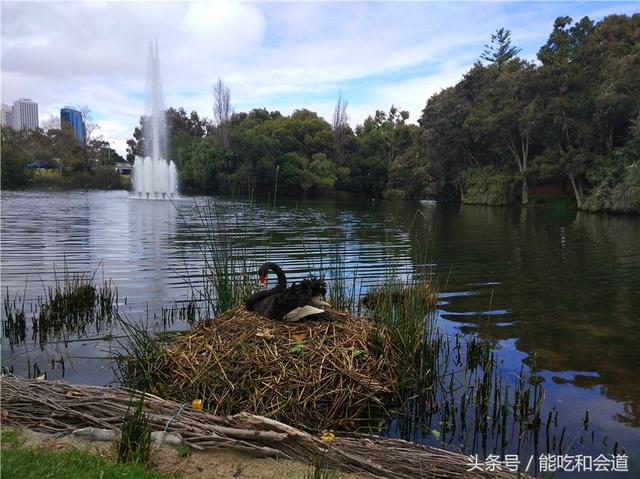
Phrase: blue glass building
(72, 118)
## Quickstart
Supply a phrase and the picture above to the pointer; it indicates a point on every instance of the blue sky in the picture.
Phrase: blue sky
(271, 54)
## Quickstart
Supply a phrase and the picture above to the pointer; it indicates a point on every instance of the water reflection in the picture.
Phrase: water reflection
(567, 284)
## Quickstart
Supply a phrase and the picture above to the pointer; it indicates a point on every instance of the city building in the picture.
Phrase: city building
(25, 114)
(6, 115)
(72, 118)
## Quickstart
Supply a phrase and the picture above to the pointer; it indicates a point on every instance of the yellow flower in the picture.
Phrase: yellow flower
(197, 404)
(328, 437)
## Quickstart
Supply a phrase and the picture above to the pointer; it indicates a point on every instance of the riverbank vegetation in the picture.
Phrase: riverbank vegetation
(511, 130)
(55, 159)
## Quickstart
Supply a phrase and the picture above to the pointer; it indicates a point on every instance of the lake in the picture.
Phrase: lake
(553, 290)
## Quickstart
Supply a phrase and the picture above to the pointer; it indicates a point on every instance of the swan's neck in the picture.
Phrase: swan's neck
(282, 279)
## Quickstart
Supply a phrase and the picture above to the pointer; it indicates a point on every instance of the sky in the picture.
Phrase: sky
(278, 55)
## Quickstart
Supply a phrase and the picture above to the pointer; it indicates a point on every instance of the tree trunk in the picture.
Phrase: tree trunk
(610, 141)
(577, 189)
(523, 171)
(521, 162)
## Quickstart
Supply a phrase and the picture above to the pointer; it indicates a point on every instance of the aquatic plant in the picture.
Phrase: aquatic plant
(406, 308)
(71, 304)
(14, 326)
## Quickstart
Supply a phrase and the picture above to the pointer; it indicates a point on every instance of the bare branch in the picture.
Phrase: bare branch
(88, 124)
(222, 111)
(51, 123)
(339, 125)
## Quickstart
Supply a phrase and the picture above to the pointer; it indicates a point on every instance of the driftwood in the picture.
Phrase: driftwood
(58, 407)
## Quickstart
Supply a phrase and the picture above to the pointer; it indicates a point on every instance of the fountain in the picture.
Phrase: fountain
(154, 177)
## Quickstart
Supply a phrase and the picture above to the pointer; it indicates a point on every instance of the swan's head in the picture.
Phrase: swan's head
(263, 271)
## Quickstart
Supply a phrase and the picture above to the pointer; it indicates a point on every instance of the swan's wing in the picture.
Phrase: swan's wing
(298, 313)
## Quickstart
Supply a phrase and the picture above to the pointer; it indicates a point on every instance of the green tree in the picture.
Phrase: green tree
(13, 165)
(499, 51)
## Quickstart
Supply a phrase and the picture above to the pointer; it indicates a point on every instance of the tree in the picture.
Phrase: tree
(135, 145)
(88, 127)
(13, 162)
(102, 152)
(51, 123)
(500, 51)
(513, 112)
(222, 111)
(340, 128)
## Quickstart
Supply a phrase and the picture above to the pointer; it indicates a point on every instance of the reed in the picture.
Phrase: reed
(138, 354)
(342, 293)
(14, 326)
(134, 444)
(320, 469)
(58, 407)
(228, 268)
(405, 308)
(67, 308)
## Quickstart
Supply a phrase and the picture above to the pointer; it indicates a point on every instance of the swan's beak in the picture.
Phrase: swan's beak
(263, 279)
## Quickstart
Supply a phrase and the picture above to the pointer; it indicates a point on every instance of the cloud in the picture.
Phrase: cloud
(278, 55)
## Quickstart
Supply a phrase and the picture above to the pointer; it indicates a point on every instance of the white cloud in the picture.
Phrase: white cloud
(279, 55)
(412, 94)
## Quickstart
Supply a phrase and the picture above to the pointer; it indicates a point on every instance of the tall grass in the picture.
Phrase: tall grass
(342, 290)
(228, 273)
(134, 445)
(138, 354)
(321, 470)
(406, 309)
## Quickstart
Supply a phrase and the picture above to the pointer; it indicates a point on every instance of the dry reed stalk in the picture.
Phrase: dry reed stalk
(58, 407)
(318, 375)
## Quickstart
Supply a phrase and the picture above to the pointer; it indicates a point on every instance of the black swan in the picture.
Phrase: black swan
(301, 300)
(263, 301)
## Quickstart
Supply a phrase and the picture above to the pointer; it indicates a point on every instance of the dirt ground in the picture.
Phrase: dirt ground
(219, 464)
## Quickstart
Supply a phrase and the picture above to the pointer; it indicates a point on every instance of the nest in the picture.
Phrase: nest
(317, 375)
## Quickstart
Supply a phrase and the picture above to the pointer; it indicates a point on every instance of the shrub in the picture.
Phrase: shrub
(485, 185)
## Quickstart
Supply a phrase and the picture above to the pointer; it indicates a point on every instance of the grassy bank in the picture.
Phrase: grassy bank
(21, 461)
(102, 178)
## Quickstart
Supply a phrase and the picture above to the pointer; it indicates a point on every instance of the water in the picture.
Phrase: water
(153, 176)
(558, 289)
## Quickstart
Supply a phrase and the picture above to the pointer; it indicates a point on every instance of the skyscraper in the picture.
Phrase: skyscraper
(70, 117)
(6, 115)
(25, 114)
